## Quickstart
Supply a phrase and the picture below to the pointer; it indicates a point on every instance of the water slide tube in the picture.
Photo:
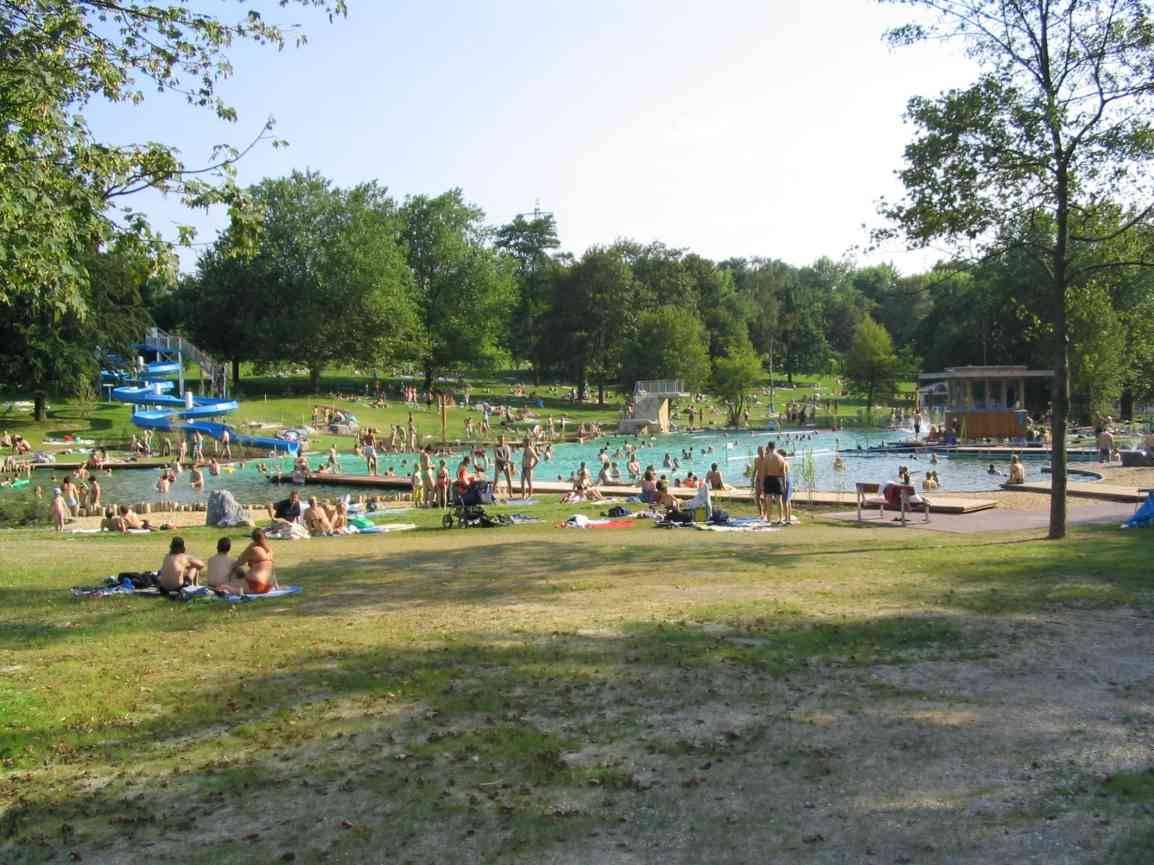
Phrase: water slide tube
(156, 408)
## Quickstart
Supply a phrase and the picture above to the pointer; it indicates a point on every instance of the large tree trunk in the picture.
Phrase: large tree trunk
(1060, 395)
(600, 393)
(40, 406)
(428, 378)
(235, 374)
(314, 378)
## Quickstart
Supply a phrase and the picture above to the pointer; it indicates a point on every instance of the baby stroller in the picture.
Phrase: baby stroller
(468, 507)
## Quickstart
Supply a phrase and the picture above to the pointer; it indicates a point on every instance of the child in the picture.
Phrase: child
(60, 513)
(418, 488)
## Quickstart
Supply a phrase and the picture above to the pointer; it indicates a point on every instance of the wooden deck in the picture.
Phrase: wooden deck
(942, 504)
(1101, 492)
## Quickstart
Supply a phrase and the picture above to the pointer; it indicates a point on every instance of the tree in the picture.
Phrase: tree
(57, 183)
(328, 282)
(593, 319)
(724, 312)
(465, 291)
(801, 327)
(62, 191)
(735, 375)
(1098, 359)
(528, 242)
(669, 343)
(871, 365)
(1057, 122)
(53, 348)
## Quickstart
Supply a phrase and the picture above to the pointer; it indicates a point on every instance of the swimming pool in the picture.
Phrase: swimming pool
(732, 451)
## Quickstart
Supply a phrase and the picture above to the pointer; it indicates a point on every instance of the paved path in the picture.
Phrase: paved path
(993, 520)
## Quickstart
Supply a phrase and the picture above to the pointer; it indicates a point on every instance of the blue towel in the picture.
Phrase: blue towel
(1143, 517)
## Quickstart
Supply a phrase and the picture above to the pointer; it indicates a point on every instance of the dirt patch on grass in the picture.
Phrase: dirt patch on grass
(586, 748)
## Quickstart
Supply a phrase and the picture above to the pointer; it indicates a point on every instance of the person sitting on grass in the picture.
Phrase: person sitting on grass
(666, 500)
(179, 569)
(338, 517)
(260, 576)
(218, 570)
(128, 519)
(316, 520)
(286, 510)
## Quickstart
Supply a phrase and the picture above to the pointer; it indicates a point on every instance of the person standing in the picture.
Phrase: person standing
(503, 465)
(529, 460)
(759, 483)
(774, 483)
(60, 514)
(226, 443)
(369, 452)
(428, 480)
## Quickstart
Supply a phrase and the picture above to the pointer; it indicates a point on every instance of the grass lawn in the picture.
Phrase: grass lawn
(528, 695)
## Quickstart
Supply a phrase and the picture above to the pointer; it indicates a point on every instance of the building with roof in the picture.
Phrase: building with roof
(987, 401)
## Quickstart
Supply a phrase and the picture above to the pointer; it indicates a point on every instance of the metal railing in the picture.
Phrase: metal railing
(660, 387)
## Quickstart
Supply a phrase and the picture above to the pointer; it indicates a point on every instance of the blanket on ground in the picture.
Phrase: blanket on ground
(580, 521)
(191, 592)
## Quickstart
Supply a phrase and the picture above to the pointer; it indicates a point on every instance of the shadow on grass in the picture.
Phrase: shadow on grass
(385, 721)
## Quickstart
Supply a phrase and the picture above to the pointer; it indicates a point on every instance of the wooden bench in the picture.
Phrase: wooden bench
(869, 495)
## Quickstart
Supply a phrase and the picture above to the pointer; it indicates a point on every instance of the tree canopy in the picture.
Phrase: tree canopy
(1056, 127)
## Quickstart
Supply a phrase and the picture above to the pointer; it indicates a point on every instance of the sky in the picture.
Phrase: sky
(730, 128)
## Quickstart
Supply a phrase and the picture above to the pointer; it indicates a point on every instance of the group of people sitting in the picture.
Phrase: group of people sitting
(251, 572)
(318, 518)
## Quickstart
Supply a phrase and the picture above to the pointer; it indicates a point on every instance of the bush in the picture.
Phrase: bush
(21, 509)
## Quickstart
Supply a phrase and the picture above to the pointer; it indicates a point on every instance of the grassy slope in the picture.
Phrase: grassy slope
(468, 695)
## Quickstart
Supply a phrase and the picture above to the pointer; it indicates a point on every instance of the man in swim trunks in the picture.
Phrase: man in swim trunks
(503, 463)
(178, 569)
(774, 480)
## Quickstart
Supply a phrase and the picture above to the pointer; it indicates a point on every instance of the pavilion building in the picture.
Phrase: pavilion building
(986, 401)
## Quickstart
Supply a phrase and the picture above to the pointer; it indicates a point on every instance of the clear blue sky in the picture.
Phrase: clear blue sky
(734, 128)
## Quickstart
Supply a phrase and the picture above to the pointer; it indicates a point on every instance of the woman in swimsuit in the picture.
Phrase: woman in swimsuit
(260, 578)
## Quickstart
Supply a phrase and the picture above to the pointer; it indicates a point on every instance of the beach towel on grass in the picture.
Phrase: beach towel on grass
(759, 527)
(580, 521)
(384, 528)
(190, 592)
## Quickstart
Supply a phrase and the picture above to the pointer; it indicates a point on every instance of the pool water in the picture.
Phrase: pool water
(732, 451)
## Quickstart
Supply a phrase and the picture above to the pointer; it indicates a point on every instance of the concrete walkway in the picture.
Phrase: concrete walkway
(983, 522)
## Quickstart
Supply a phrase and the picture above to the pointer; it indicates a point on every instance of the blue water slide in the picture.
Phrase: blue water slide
(151, 388)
